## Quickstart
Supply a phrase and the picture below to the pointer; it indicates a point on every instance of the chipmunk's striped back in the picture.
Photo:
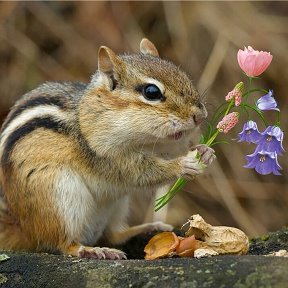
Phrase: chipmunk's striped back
(50, 106)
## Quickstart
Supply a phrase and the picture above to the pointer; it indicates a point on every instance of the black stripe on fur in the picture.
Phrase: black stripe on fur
(33, 102)
(40, 122)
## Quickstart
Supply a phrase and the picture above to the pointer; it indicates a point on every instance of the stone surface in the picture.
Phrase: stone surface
(44, 270)
(269, 243)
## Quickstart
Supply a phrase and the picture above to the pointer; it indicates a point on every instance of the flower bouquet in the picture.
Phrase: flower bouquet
(268, 143)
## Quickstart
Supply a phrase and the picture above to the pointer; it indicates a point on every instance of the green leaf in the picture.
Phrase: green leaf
(202, 139)
(219, 142)
(163, 200)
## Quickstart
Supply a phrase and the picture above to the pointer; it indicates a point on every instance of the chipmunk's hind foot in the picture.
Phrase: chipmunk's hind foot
(95, 252)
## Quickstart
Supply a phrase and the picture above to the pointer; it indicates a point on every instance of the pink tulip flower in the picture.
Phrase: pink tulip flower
(253, 62)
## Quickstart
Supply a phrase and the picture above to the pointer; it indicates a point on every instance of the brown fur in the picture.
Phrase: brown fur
(25, 195)
(99, 136)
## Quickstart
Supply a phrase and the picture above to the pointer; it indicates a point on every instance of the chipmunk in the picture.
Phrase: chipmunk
(72, 154)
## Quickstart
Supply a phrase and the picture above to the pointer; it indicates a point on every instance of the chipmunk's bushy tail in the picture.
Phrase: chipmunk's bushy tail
(11, 236)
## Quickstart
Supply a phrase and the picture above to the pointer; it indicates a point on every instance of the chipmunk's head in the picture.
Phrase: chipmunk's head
(146, 97)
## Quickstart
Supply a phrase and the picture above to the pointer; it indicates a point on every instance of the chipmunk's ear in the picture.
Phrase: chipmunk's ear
(147, 47)
(110, 64)
(107, 60)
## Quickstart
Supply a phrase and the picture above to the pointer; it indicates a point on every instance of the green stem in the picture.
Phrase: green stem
(210, 141)
(242, 106)
(162, 201)
(213, 137)
(250, 85)
(217, 113)
(258, 112)
(253, 90)
(278, 119)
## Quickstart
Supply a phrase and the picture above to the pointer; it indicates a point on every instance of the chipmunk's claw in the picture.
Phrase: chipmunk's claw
(101, 253)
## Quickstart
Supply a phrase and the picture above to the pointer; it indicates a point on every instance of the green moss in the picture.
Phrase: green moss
(255, 279)
(265, 237)
(230, 272)
(3, 279)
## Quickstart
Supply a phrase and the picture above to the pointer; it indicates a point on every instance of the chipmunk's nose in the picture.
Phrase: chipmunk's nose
(201, 115)
(199, 118)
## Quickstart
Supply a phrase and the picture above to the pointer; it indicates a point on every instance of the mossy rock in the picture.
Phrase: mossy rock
(270, 242)
(44, 270)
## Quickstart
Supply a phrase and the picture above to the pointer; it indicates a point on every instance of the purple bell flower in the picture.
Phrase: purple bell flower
(250, 133)
(271, 140)
(263, 162)
(267, 102)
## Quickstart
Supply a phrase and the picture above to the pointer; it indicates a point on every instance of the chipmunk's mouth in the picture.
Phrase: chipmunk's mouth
(177, 135)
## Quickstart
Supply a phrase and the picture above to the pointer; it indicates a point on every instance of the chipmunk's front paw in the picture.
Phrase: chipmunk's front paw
(101, 253)
(159, 226)
(191, 164)
(206, 154)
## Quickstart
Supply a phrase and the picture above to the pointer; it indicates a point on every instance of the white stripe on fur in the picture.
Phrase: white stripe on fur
(27, 115)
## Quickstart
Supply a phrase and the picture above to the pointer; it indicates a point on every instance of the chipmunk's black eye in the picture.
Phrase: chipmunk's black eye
(152, 93)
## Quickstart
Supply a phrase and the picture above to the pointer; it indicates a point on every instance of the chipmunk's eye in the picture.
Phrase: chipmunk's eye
(152, 92)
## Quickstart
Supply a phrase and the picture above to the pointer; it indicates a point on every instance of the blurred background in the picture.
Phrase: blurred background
(42, 41)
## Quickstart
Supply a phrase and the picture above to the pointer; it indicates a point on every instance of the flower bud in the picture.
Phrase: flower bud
(228, 122)
(236, 93)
